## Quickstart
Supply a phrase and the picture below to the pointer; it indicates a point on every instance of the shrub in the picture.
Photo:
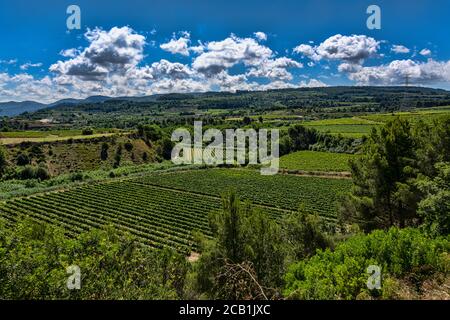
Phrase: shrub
(87, 132)
(31, 172)
(164, 149)
(35, 257)
(118, 156)
(342, 274)
(104, 151)
(128, 146)
(3, 163)
(76, 176)
(22, 159)
(27, 173)
(41, 173)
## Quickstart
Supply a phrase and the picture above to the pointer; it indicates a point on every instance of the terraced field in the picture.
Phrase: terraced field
(279, 191)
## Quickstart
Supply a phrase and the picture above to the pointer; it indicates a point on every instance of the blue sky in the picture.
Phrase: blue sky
(144, 47)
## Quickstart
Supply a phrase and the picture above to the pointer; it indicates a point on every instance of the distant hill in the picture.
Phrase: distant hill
(13, 108)
(285, 98)
(92, 99)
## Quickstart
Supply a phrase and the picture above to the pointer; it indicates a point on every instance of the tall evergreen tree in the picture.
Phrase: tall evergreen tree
(383, 195)
(245, 258)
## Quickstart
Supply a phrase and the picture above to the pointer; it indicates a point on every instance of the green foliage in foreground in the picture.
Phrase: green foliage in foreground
(435, 207)
(316, 161)
(245, 260)
(34, 258)
(249, 252)
(342, 273)
(401, 167)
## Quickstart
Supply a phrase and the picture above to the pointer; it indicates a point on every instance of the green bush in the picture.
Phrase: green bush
(342, 274)
(104, 151)
(32, 172)
(22, 159)
(76, 176)
(3, 162)
(34, 259)
(87, 132)
(128, 146)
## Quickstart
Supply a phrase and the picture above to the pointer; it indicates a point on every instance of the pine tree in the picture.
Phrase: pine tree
(383, 195)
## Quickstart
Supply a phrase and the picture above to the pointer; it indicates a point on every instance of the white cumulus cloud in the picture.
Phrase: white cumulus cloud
(261, 36)
(351, 49)
(28, 65)
(221, 55)
(113, 51)
(312, 83)
(399, 49)
(425, 52)
(398, 71)
(275, 69)
(178, 46)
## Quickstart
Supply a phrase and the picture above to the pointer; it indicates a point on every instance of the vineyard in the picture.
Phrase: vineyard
(155, 216)
(164, 209)
(281, 191)
(316, 161)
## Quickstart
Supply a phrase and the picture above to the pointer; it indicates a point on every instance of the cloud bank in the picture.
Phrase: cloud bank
(115, 63)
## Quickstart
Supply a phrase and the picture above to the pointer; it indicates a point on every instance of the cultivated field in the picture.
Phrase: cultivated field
(316, 161)
(164, 209)
(280, 191)
(9, 138)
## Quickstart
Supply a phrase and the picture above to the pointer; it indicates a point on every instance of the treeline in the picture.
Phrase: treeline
(298, 137)
(363, 99)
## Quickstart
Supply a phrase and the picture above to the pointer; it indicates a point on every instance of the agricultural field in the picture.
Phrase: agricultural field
(358, 126)
(280, 191)
(163, 209)
(354, 127)
(10, 138)
(426, 115)
(156, 216)
(316, 161)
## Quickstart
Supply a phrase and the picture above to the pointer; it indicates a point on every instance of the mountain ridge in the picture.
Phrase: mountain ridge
(14, 108)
